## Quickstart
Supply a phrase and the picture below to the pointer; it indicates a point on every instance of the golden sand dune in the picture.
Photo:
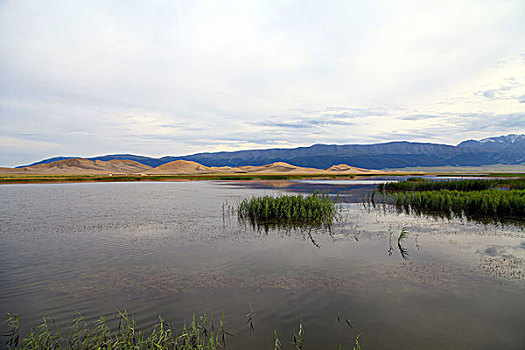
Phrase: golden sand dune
(222, 169)
(81, 166)
(180, 167)
(185, 167)
(347, 169)
(277, 167)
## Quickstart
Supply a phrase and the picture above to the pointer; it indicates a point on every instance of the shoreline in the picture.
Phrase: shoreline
(6, 179)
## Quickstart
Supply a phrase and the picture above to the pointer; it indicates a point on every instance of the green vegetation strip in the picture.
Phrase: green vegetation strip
(474, 204)
(316, 209)
(10, 179)
(421, 184)
(498, 200)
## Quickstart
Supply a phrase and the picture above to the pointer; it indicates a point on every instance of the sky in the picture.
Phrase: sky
(156, 78)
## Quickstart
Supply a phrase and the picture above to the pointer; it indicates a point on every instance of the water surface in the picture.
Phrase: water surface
(169, 248)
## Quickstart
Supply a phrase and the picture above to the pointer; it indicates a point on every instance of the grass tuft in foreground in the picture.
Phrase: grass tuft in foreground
(314, 210)
(201, 334)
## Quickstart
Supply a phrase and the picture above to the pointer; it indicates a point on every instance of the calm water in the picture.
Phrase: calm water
(168, 249)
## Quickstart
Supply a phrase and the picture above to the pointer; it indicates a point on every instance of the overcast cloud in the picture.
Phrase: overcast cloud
(177, 77)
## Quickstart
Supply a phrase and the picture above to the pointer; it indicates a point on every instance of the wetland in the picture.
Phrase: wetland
(398, 279)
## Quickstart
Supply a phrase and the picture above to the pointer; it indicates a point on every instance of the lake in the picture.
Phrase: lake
(169, 249)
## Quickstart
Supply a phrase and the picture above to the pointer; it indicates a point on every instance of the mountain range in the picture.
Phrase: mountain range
(509, 149)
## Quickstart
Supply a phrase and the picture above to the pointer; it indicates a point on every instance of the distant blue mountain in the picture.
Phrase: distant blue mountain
(509, 149)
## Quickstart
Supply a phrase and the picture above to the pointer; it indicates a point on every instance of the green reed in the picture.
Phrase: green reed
(421, 184)
(200, 334)
(316, 209)
(492, 204)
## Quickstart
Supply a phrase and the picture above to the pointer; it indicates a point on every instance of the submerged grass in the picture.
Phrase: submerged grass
(315, 210)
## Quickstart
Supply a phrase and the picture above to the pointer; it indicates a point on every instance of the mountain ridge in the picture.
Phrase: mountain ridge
(506, 149)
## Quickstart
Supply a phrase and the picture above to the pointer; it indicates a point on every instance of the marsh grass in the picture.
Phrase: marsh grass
(492, 204)
(199, 334)
(202, 333)
(421, 184)
(316, 210)
(276, 342)
(307, 214)
(489, 206)
(486, 201)
(298, 335)
(250, 317)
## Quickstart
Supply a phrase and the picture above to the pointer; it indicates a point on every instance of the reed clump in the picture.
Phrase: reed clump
(200, 334)
(316, 209)
(493, 204)
(496, 201)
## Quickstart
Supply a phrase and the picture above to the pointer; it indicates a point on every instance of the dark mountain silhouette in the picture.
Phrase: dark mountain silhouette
(509, 149)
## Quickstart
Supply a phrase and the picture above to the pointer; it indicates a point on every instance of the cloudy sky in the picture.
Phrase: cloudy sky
(85, 78)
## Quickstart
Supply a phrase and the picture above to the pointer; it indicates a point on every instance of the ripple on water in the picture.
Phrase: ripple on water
(167, 248)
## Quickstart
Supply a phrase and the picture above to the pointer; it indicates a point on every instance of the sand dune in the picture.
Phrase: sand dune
(222, 169)
(180, 167)
(277, 167)
(83, 166)
(185, 167)
(347, 169)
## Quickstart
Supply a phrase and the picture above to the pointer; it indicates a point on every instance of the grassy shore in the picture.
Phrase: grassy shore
(42, 178)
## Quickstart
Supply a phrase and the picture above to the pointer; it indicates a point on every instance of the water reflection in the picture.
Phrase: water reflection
(402, 250)
(349, 191)
(449, 214)
(167, 248)
(306, 230)
(309, 230)
(373, 200)
(363, 190)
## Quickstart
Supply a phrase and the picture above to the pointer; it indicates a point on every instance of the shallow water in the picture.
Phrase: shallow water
(169, 249)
